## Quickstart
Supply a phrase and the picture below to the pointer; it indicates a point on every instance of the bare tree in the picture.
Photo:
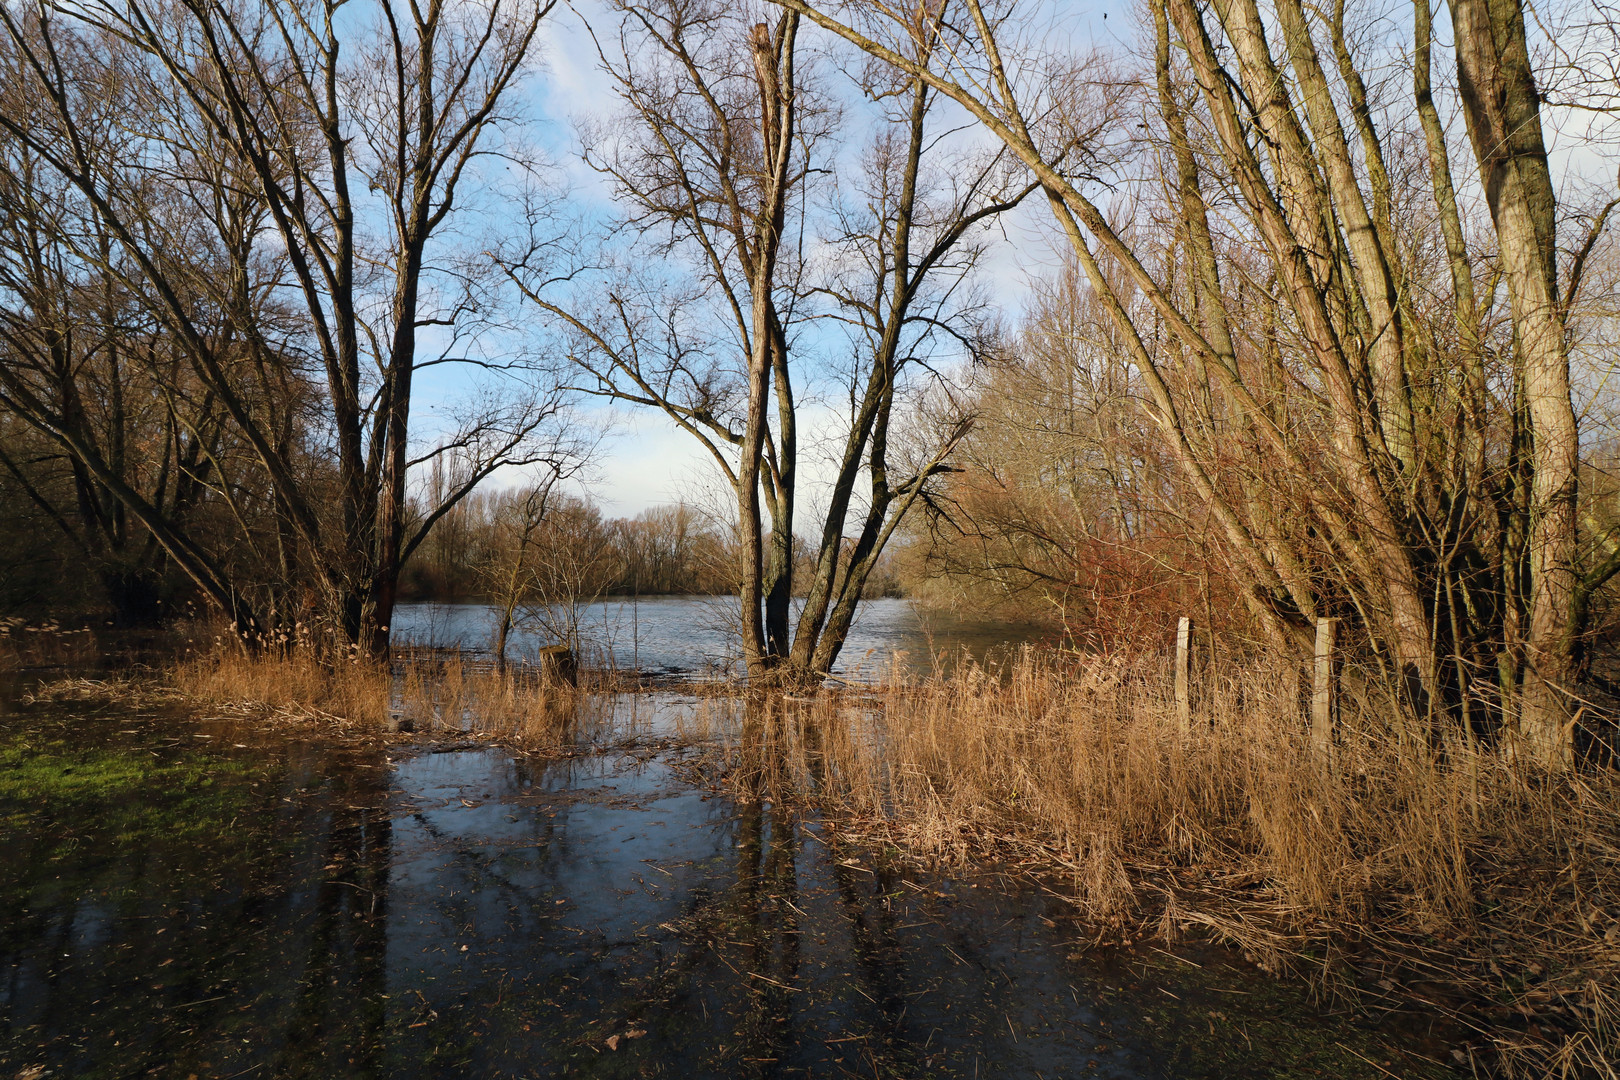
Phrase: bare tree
(554, 557)
(710, 154)
(1065, 506)
(154, 470)
(508, 568)
(900, 285)
(352, 140)
(710, 161)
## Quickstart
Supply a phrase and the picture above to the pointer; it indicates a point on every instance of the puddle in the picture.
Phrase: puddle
(212, 902)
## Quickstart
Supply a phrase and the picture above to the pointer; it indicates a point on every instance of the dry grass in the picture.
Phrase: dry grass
(454, 694)
(430, 694)
(292, 681)
(1457, 875)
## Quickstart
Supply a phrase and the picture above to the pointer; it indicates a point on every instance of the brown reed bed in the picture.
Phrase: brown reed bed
(431, 693)
(1394, 870)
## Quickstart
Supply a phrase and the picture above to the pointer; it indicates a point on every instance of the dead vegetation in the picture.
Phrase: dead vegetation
(1445, 872)
(1449, 873)
(433, 692)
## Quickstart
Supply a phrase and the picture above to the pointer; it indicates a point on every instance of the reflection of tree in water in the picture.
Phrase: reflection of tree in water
(171, 934)
(339, 1016)
(767, 890)
(864, 899)
(757, 926)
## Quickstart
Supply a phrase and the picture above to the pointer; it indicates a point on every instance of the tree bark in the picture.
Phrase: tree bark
(1501, 104)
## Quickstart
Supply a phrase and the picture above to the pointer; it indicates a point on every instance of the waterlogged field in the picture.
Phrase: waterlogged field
(191, 897)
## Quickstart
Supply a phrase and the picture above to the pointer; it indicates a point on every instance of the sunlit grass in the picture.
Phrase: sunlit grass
(1450, 860)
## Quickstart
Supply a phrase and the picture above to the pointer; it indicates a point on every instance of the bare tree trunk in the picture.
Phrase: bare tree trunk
(773, 66)
(1502, 106)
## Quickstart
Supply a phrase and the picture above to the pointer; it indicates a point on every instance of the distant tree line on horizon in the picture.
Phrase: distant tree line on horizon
(576, 551)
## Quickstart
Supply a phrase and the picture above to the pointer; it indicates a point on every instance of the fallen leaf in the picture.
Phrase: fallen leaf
(612, 1042)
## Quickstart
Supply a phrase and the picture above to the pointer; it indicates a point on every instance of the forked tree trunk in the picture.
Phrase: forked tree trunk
(773, 65)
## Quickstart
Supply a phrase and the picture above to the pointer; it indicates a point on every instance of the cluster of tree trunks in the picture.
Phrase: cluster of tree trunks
(1308, 311)
(720, 134)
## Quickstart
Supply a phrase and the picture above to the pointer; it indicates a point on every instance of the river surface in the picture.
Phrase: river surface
(193, 897)
(696, 636)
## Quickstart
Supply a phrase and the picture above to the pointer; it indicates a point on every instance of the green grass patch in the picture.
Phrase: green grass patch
(123, 787)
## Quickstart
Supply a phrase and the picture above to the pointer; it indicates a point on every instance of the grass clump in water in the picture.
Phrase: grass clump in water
(434, 693)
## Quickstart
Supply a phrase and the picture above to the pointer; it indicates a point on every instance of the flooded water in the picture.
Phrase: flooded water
(696, 635)
(183, 897)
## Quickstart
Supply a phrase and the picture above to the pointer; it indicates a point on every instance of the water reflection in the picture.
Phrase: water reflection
(339, 1014)
(380, 909)
(172, 932)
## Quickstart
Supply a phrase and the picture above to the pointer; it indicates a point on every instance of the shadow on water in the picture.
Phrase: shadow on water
(183, 898)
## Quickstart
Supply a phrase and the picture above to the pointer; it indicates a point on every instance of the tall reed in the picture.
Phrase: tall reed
(1451, 860)
(290, 678)
(447, 693)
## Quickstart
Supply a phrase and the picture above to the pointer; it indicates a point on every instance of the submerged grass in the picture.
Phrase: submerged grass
(1451, 873)
(50, 774)
(1398, 868)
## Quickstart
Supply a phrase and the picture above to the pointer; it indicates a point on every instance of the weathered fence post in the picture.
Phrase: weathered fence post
(1184, 674)
(1325, 696)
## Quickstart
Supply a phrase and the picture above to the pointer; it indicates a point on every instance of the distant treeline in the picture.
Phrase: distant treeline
(572, 546)
(564, 547)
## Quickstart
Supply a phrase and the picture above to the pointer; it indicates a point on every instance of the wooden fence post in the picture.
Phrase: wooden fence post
(1184, 674)
(1325, 695)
